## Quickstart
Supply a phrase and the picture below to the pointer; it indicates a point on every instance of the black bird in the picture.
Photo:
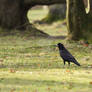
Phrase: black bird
(66, 55)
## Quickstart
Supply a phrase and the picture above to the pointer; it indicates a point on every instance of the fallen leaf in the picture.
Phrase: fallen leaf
(48, 88)
(38, 65)
(54, 91)
(49, 64)
(86, 45)
(88, 72)
(67, 70)
(12, 90)
(91, 82)
(28, 55)
(12, 71)
(1, 60)
(12, 48)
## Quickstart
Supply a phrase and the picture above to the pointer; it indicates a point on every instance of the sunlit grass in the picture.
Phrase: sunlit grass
(34, 65)
(37, 14)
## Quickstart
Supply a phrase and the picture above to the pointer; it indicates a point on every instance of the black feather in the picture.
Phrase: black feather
(66, 55)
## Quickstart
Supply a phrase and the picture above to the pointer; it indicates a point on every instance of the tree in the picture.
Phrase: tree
(90, 12)
(79, 23)
(56, 12)
(76, 19)
(13, 13)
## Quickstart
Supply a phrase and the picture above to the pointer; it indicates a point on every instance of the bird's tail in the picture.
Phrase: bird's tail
(77, 63)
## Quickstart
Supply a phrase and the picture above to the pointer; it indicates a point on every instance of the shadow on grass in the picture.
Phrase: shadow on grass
(45, 65)
(34, 65)
(40, 83)
(21, 81)
(58, 37)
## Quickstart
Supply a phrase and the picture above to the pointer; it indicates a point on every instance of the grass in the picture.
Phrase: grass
(29, 64)
(35, 16)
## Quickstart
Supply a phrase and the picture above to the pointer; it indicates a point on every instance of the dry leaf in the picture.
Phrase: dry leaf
(28, 55)
(38, 65)
(88, 72)
(86, 45)
(12, 48)
(12, 71)
(1, 60)
(49, 64)
(67, 70)
(91, 82)
(12, 90)
(48, 88)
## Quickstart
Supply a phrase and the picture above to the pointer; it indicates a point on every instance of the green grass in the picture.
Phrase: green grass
(29, 64)
(37, 14)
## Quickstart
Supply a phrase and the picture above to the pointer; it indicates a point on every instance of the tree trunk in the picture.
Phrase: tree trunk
(56, 12)
(90, 13)
(76, 19)
(13, 13)
(85, 3)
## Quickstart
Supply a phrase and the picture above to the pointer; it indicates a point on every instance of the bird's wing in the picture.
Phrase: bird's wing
(66, 55)
(71, 58)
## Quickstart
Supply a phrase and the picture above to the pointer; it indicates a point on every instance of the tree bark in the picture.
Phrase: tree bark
(13, 13)
(76, 19)
(85, 3)
(90, 17)
(90, 12)
(44, 2)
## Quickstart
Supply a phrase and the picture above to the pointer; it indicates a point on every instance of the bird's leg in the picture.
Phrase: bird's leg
(69, 63)
(64, 62)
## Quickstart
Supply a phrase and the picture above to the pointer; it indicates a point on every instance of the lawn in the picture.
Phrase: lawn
(29, 64)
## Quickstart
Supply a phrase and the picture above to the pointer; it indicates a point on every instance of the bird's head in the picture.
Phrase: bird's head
(60, 45)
